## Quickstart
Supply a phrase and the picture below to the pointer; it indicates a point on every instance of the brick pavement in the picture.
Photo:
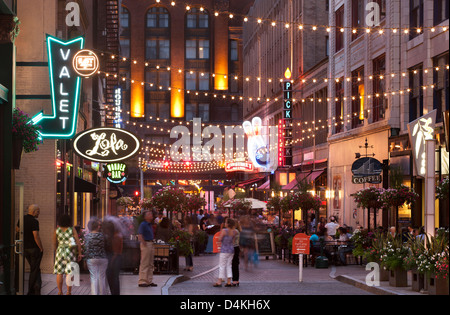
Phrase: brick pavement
(273, 273)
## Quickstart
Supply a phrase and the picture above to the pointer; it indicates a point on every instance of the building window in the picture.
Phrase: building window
(124, 17)
(157, 79)
(197, 19)
(415, 16)
(197, 111)
(416, 94)
(234, 51)
(441, 11)
(358, 97)
(379, 104)
(158, 110)
(339, 15)
(197, 49)
(158, 49)
(339, 106)
(197, 81)
(358, 17)
(441, 82)
(125, 47)
(157, 17)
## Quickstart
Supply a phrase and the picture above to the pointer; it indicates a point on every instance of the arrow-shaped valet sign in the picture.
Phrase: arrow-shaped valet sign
(67, 63)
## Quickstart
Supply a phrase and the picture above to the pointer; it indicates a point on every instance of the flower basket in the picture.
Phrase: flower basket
(17, 151)
(25, 136)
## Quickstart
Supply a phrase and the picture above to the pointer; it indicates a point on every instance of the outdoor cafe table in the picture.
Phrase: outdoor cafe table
(333, 249)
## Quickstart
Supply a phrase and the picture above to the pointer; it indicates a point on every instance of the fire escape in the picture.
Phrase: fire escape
(111, 64)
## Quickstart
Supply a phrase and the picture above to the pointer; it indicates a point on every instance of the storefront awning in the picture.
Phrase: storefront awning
(250, 182)
(314, 175)
(84, 186)
(294, 183)
(265, 186)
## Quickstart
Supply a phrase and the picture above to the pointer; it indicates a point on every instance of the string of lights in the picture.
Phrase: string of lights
(405, 30)
(248, 78)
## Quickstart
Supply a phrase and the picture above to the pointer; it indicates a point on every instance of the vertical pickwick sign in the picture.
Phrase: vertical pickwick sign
(67, 63)
(287, 118)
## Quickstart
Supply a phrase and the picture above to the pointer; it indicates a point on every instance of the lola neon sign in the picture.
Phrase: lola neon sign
(65, 87)
(106, 145)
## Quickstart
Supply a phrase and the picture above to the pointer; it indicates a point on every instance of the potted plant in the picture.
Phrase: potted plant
(182, 241)
(438, 258)
(25, 136)
(392, 258)
(412, 262)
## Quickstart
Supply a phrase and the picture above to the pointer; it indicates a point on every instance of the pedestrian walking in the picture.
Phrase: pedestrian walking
(65, 240)
(96, 260)
(146, 236)
(33, 249)
(247, 240)
(237, 252)
(114, 248)
(226, 238)
(189, 227)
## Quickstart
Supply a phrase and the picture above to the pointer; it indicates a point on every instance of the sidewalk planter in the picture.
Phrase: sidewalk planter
(384, 274)
(418, 280)
(398, 278)
(437, 286)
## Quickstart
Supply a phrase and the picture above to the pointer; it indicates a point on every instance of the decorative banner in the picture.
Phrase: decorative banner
(420, 130)
(106, 145)
(116, 173)
(239, 167)
(65, 87)
(86, 63)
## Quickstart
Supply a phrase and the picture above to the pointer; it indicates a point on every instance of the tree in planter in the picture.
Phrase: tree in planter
(194, 203)
(170, 199)
(306, 201)
(369, 198)
(241, 205)
(397, 197)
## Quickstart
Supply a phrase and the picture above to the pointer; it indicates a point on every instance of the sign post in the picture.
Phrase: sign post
(300, 246)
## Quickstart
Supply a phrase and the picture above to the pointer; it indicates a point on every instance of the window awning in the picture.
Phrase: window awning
(250, 182)
(84, 186)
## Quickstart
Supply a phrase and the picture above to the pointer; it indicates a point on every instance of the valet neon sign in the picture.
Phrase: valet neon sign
(67, 63)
